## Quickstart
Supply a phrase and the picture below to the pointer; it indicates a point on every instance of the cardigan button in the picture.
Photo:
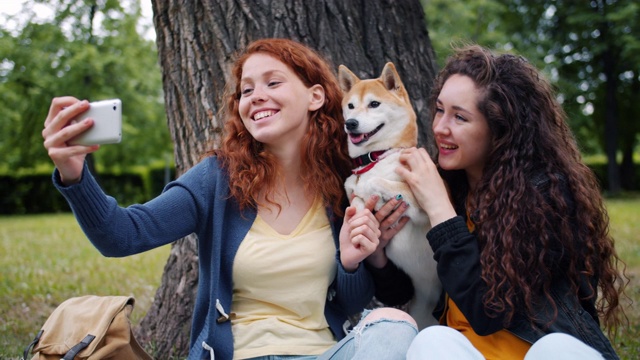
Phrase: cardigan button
(331, 294)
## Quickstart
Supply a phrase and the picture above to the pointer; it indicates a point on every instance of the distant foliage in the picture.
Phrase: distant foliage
(589, 49)
(90, 50)
(33, 192)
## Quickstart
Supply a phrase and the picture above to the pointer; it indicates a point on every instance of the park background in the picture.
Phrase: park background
(48, 48)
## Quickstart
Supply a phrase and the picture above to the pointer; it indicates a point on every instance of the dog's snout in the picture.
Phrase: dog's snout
(351, 124)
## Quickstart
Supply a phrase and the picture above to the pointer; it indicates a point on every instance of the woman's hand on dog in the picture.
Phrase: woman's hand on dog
(421, 174)
(359, 236)
(391, 222)
(366, 233)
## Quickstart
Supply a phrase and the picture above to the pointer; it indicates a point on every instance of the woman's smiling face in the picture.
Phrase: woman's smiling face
(274, 103)
(461, 130)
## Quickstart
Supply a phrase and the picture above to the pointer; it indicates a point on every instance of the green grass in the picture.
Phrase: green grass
(624, 214)
(46, 259)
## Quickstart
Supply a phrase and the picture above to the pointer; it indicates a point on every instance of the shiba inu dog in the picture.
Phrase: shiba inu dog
(380, 122)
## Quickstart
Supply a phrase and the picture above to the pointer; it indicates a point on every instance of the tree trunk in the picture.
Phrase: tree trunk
(609, 64)
(629, 131)
(627, 169)
(196, 42)
(611, 125)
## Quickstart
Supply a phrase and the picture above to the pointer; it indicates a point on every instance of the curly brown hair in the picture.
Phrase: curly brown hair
(524, 229)
(325, 159)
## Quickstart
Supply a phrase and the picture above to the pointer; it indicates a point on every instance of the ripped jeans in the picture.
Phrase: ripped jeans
(382, 338)
(379, 339)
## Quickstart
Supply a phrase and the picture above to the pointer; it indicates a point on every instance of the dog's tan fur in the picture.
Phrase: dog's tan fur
(382, 109)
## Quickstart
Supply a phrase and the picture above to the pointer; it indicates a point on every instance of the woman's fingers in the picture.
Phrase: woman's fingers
(62, 110)
(364, 230)
(391, 211)
(60, 137)
(421, 174)
(387, 233)
(58, 130)
(359, 237)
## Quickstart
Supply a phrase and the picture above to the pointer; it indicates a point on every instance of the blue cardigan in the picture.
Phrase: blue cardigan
(198, 202)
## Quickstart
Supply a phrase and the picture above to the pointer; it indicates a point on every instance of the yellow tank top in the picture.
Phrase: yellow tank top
(280, 287)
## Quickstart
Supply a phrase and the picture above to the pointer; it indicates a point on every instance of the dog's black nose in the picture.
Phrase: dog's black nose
(351, 124)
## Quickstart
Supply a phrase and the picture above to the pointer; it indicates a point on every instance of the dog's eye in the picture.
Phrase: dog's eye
(374, 104)
(350, 106)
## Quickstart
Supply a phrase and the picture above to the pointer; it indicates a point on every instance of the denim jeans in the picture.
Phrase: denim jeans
(379, 339)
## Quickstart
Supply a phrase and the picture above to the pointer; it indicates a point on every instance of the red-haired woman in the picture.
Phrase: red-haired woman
(279, 270)
(524, 255)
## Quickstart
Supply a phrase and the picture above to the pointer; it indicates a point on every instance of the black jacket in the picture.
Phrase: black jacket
(458, 255)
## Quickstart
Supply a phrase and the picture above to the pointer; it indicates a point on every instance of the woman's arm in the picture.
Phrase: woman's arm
(118, 231)
(458, 255)
(393, 286)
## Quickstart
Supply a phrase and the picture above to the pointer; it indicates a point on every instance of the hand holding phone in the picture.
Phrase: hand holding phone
(107, 123)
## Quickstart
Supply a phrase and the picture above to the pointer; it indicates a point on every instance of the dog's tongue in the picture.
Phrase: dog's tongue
(357, 138)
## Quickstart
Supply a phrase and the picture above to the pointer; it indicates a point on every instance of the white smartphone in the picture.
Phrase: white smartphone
(107, 123)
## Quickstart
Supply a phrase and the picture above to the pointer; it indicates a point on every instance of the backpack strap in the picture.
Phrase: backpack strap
(25, 355)
(78, 347)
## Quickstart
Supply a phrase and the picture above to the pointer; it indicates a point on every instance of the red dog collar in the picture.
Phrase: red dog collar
(364, 163)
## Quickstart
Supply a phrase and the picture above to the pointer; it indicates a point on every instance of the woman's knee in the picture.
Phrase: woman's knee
(566, 345)
(388, 313)
(436, 334)
(384, 333)
(441, 342)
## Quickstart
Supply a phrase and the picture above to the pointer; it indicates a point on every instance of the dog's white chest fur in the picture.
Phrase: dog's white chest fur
(379, 118)
(409, 248)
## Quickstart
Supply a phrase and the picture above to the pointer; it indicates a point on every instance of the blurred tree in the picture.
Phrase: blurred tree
(593, 50)
(457, 22)
(90, 50)
(589, 49)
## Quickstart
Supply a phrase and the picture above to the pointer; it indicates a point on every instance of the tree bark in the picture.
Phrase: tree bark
(611, 124)
(629, 131)
(196, 42)
(609, 66)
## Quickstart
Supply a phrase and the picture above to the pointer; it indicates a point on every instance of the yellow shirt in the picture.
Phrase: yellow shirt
(280, 287)
(499, 345)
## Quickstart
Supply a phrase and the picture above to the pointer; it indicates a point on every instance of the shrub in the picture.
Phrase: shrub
(34, 193)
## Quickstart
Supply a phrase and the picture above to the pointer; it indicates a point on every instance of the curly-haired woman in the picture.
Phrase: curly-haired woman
(522, 241)
(279, 270)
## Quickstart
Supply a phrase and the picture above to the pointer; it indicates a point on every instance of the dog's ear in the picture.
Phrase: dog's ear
(392, 82)
(346, 78)
(390, 78)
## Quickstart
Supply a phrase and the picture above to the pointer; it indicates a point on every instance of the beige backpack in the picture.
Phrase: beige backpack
(88, 327)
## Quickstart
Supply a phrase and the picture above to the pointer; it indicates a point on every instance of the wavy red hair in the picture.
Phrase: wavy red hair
(325, 159)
